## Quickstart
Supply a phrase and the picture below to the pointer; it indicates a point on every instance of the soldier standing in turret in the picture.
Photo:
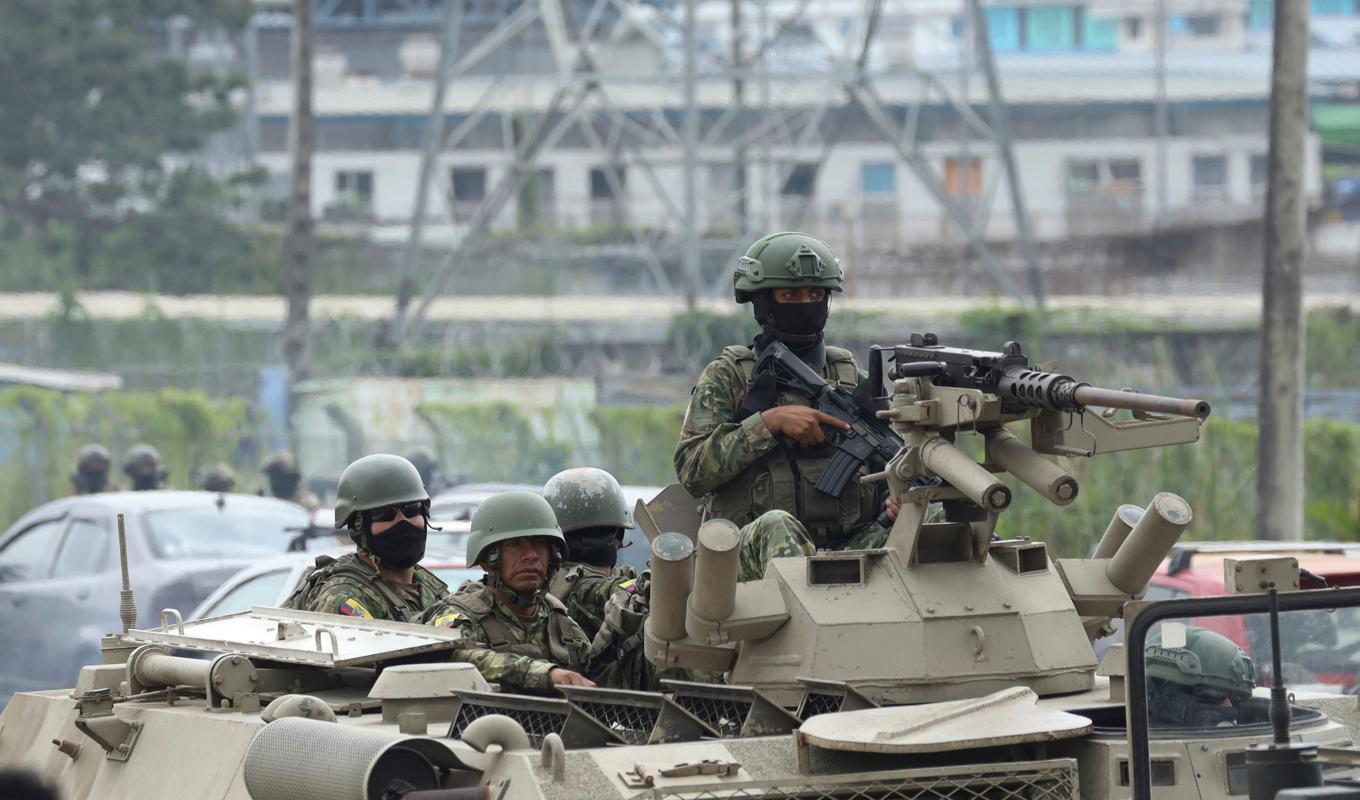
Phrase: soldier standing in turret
(754, 451)
(518, 635)
(384, 505)
(593, 514)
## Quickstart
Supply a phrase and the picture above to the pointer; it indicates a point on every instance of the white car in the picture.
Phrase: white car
(271, 581)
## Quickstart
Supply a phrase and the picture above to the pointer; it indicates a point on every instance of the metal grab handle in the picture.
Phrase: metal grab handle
(167, 613)
(335, 644)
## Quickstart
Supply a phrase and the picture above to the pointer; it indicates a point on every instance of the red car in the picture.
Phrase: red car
(1318, 647)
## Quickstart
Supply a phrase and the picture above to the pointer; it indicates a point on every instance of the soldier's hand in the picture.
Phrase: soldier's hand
(891, 509)
(800, 423)
(565, 677)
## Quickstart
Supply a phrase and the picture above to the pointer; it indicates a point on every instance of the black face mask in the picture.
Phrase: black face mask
(400, 546)
(596, 547)
(798, 325)
(142, 482)
(283, 485)
(800, 319)
(91, 481)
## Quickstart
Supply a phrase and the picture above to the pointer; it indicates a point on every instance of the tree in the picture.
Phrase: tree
(98, 119)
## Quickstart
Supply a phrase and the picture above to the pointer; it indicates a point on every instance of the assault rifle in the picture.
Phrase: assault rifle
(868, 436)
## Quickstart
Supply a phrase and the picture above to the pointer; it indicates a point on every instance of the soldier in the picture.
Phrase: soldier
(91, 475)
(285, 481)
(384, 505)
(753, 451)
(1199, 685)
(217, 477)
(142, 465)
(428, 465)
(519, 636)
(593, 515)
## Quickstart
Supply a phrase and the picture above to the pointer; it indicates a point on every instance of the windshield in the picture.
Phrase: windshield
(210, 533)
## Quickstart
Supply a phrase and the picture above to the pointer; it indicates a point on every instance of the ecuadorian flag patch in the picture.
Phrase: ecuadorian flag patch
(630, 585)
(447, 620)
(353, 608)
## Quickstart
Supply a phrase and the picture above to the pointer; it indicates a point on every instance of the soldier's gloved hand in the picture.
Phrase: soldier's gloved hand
(800, 423)
(565, 677)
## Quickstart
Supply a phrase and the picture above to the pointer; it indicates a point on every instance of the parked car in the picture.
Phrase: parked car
(59, 569)
(272, 581)
(1319, 652)
(459, 502)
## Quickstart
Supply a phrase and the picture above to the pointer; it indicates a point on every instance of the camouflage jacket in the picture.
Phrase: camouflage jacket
(516, 653)
(617, 658)
(350, 585)
(742, 470)
(584, 590)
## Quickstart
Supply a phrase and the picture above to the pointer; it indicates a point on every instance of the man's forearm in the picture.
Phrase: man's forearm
(508, 669)
(705, 460)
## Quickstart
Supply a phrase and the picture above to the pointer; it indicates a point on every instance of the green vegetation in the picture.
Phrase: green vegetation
(41, 431)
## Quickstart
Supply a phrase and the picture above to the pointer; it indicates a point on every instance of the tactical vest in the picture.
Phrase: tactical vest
(566, 579)
(350, 565)
(475, 602)
(786, 477)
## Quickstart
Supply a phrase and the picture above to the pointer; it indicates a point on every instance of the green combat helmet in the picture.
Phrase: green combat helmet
(783, 260)
(142, 463)
(92, 469)
(217, 477)
(592, 512)
(513, 515)
(1199, 685)
(375, 481)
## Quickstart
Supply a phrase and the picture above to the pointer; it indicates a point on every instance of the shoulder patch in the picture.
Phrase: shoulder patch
(630, 585)
(353, 608)
(447, 620)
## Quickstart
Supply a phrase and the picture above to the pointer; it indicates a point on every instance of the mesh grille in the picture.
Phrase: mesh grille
(815, 703)
(537, 724)
(722, 715)
(633, 723)
(1056, 783)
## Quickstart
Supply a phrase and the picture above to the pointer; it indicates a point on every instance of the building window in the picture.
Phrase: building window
(963, 178)
(1210, 173)
(801, 182)
(1107, 176)
(1133, 27)
(1050, 28)
(878, 178)
(1198, 25)
(469, 184)
(1260, 171)
(354, 187)
(601, 184)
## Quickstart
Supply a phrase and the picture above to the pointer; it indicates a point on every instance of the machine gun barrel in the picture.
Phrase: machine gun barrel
(1137, 401)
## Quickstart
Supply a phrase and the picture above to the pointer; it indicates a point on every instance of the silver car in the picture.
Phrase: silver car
(59, 569)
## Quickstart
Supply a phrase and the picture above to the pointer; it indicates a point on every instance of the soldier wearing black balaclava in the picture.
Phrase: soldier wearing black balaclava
(91, 475)
(142, 465)
(754, 450)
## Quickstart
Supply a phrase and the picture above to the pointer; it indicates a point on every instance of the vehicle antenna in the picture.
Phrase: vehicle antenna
(127, 609)
(1279, 698)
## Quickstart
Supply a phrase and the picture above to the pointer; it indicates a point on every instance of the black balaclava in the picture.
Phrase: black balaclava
(283, 484)
(799, 326)
(90, 482)
(144, 481)
(598, 547)
(400, 546)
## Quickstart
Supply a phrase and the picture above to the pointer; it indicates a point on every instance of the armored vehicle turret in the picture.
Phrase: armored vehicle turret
(949, 663)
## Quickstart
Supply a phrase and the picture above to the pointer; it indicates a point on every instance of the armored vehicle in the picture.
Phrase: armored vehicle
(949, 663)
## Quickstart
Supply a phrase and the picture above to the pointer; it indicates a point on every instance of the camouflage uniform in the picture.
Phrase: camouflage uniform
(729, 462)
(516, 653)
(350, 585)
(585, 589)
(617, 660)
